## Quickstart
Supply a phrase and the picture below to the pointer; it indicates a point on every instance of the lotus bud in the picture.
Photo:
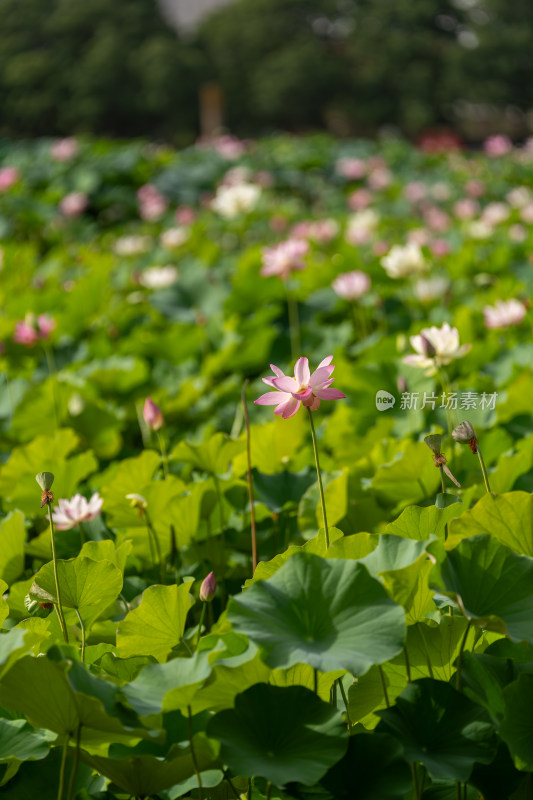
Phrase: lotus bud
(208, 588)
(152, 415)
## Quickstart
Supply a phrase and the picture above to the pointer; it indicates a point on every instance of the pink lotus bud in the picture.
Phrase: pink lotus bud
(152, 415)
(46, 325)
(208, 588)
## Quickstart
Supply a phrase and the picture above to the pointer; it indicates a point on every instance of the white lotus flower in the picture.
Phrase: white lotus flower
(173, 238)
(435, 347)
(132, 245)
(159, 277)
(78, 509)
(401, 262)
(231, 201)
(504, 313)
(427, 289)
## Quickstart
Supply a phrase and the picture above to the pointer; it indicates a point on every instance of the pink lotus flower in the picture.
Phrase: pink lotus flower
(152, 415)
(64, 149)
(305, 388)
(30, 330)
(8, 177)
(497, 146)
(466, 208)
(435, 347)
(284, 258)
(351, 285)
(152, 204)
(185, 215)
(360, 199)
(25, 334)
(78, 509)
(351, 168)
(73, 204)
(45, 325)
(504, 313)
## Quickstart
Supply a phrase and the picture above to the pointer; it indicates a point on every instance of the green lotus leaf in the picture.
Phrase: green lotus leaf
(168, 687)
(86, 585)
(157, 624)
(330, 614)
(420, 523)
(373, 768)
(516, 728)
(145, 776)
(507, 517)
(19, 740)
(492, 585)
(12, 536)
(280, 734)
(61, 695)
(440, 727)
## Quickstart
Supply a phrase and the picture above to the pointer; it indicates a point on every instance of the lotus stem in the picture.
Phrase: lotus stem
(460, 658)
(62, 770)
(164, 456)
(74, 765)
(319, 475)
(345, 701)
(249, 476)
(59, 607)
(202, 615)
(193, 756)
(483, 470)
(82, 626)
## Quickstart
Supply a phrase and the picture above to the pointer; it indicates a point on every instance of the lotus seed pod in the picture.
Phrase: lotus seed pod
(464, 433)
(45, 480)
(433, 441)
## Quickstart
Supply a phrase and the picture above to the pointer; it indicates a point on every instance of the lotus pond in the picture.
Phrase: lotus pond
(315, 585)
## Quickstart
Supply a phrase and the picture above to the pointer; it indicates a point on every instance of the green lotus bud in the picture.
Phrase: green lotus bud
(45, 480)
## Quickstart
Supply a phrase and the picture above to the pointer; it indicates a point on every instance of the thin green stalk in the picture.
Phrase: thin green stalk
(294, 324)
(483, 470)
(74, 765)
(384, 685)
(345, 701)
(458, 785)
(415, 780)
(202, 615)
(232, 787)
(82, 626)
(269, 790)
(319, 475)
(407, 664)
(59, 607)
(62, 770)
(164, 457)
(193, 756)
(249, 477)
(249, 789)
(157, 546)
(460, 658)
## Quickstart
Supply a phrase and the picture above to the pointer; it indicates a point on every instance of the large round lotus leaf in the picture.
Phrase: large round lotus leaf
(329, 614)
(440, 727)
(19, 740)
(493, 586)
(280, 734)
(517, 725)
(372, 769)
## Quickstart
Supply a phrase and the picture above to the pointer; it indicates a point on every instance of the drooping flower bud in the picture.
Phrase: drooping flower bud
(433, 441)
(137, 501)
(465, 434)
(208, 588)
(152, 415)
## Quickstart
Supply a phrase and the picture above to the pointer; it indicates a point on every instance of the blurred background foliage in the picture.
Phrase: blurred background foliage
(91, 66)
